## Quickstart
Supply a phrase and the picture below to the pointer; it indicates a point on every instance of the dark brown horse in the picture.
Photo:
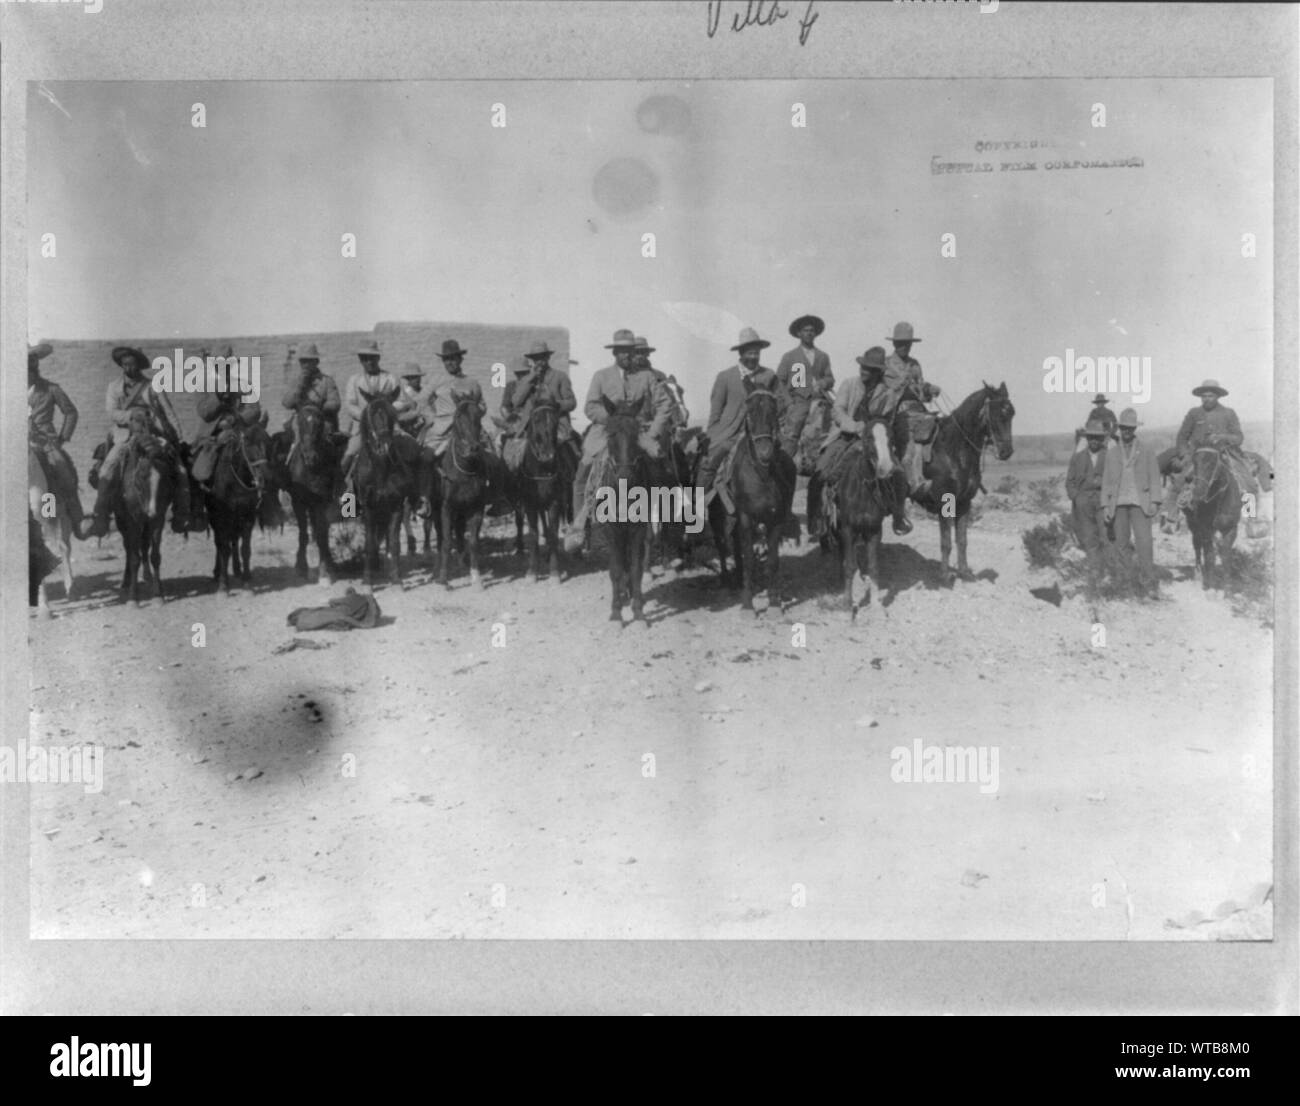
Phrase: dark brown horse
(308, 471)
(390, 468)
(240, 481)
(470, 478)
(625, 470)
(144, 494)
(542, 488)
(761, 485)
(954, 472)
(1214, 512)
(864, 495)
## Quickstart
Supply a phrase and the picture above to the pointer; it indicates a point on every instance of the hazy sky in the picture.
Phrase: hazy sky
(164, 229)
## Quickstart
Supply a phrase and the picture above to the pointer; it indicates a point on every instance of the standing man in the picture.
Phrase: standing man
(446, 388)
(134, 389)
(621, 382)
(370, 382)
(805, 372)
(1083, 481)
(727, 406)
(1130, 494)
(44, 397)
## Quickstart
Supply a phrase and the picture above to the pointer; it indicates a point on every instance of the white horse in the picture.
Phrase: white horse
(55, 522)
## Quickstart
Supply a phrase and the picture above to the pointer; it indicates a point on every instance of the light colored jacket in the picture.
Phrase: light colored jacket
(381, 384)
(902, 374)
(849, 396)
(1146, 476)
(439, 397)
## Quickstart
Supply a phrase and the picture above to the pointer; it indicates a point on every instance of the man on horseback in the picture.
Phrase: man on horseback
(414, 419)
(448, 387)
(1216, 426)
(676, 418)
(805, 371)
(44, 397)
(370, 382)
(622, 382)
(863, 395)
(538, 383)
(219, 412)
(907, 391)
(726, 423)
(311, 387)
(130, 392)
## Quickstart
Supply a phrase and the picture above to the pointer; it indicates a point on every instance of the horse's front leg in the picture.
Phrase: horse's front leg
(617, 570)
(155, 561)
(528, 516)
(945, 546)
(521, 544)
(636, 561)
(551, 519)
(300, 515)
(393, 563)
(471, 541)
(320, 526)
(444, 542)
(744, 553)
(246, 552)
(963, 524)
(873, 562)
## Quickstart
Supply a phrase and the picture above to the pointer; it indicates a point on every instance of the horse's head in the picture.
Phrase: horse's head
(467, 427)
(138, 423)
(378, 422)
(542, 423)
(255, 448)
(310, 425)
(877, 439)
(623, 437)
(1000, 413)
(762, 422)
(1209, 472)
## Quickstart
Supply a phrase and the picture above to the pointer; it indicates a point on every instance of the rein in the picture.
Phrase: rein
(1210, 493)
(252, 466)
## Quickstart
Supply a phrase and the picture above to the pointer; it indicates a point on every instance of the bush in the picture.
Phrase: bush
(1046, 496)
(1248, 582)
(1008, 485)
(1045, 545)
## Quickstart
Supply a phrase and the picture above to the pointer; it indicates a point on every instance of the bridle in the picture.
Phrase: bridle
(259, 484)
(751, 437)
(1211, 483)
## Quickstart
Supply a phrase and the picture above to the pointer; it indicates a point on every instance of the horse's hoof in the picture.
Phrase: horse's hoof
(616, 616)
(553, 580)
(44, 614)
(156, 601)
(476, 581)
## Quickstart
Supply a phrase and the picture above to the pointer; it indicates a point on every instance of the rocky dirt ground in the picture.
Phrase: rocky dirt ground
(506, 763)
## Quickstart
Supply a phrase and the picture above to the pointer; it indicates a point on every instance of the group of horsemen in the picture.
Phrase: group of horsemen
(426, 404)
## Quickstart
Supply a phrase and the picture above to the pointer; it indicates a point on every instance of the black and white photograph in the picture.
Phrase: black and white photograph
(743, 506)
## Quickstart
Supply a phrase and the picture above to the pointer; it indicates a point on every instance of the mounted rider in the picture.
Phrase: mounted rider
(727, 408)
(624, 381)
(538, 382)
(861, 398)
(370, 382)
(1214, 426)
(311, 387)
(132, 391)
(220, 411)
(805, 371)
(677, 416)
(444, 390)
(44, 397)
(907, 391)
(415, 418)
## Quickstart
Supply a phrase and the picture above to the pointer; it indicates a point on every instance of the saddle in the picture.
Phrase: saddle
(922, 426)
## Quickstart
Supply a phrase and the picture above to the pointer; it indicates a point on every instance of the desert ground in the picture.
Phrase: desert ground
(507, 763)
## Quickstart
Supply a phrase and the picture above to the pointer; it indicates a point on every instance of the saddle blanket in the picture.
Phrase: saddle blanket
(345, 612)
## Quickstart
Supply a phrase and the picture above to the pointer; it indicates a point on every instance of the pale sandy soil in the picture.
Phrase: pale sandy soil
(506, 792)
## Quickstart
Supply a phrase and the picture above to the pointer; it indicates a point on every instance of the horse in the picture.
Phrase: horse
(626, 465)
(49, 508)
(41, 561)
(761, 485)
(1215, 509)
(670, 538)
(308, 474)
(863, 496)
(470, 477)
(240, 480)
(145, 492)
(983, 417)
(390, 467)
(542, 489)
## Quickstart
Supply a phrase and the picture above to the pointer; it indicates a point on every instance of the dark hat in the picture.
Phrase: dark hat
(121, 351)
(623, 339)
(1210, 387)
(368, 349)
(806, 320)
(874, 358)
(411, 369)
(749, 337)
(1129, 417)
(903, 333)
(1100, 399)
(643, 345)
(451, 348)
(40, 352)
(1094, 430)
(309, 352)
(539, 349)
(523, 365)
